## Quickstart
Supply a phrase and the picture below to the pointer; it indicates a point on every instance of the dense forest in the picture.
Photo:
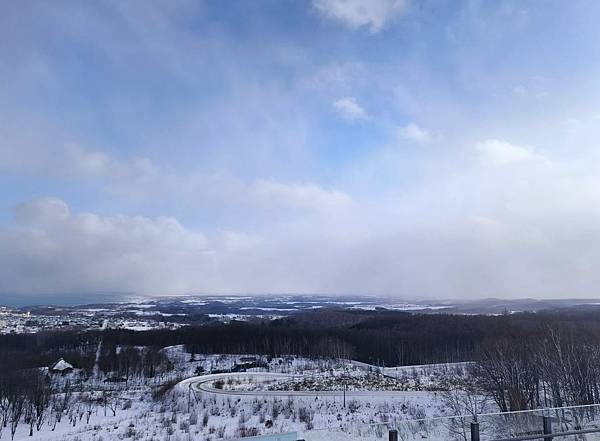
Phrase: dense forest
(378, 337)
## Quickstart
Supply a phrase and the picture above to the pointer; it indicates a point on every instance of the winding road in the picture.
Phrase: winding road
(204, 384)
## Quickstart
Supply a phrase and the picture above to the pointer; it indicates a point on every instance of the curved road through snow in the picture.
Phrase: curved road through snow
(204, 384)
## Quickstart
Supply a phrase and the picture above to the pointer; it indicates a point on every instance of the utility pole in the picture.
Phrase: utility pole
(475, 430)
(547, 428)
(189, 396)
(344, 381)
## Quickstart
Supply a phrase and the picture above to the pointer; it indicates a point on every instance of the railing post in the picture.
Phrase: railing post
(393, 435)
(474, 431)
(547, 428)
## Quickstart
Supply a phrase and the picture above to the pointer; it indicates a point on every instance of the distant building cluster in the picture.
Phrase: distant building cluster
(14, 321)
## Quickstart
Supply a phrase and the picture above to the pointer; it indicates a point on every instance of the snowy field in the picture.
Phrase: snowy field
(267, 396)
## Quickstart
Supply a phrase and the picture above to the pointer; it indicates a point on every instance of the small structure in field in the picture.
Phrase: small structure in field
(61, 367)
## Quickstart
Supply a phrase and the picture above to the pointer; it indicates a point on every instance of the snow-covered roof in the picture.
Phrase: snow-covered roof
(62, 365)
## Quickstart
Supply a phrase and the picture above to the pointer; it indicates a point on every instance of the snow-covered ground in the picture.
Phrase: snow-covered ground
(306, 395)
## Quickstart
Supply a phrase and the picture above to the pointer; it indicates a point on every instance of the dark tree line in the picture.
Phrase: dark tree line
(377, 337)
(125, 362)
(24, 351)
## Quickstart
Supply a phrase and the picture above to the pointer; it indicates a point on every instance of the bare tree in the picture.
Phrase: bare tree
(61, 403)
(16, 412)
(5, 404)
(39, 396)
(509, 372)
(557, 366)
(110, 401)
(466, 400)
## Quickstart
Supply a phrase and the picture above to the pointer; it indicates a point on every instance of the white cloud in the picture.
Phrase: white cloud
(46, 210)
(498, 152)
(349, 109)
(86, 163)
(51, 250)
(374, 14)
(415, 133)
(470, 233)
(141, 180)
(34, 152)
(299, 196)
(258, 197)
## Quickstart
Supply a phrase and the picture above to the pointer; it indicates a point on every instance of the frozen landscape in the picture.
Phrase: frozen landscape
(283, 394)
(299, 220)
(237, 379)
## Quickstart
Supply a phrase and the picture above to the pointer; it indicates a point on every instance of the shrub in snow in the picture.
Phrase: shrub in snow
(243, 431)
(184, 426)
(276, 409)
(304, 415)
(130, 432)
(243, 418)
(233, 411)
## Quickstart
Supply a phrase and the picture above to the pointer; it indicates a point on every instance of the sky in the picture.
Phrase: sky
(421, 149)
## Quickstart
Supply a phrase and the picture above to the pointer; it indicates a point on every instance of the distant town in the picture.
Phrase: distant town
(177, 311)
(18, 322)
(172, 312)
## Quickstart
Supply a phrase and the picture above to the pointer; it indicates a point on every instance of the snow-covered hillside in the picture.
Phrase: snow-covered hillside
(309, 396)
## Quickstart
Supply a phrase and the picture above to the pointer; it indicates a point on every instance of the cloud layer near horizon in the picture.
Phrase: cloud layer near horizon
(538, 236)
(327, 146)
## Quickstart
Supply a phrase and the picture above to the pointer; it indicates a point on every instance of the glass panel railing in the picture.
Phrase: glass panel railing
(510, 425)
(574, 418)
(529, 423)
(434, 429)
(367, 432)
(492, 427)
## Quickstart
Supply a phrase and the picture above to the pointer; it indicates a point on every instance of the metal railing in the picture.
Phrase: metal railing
(541, 424)
(546, 435)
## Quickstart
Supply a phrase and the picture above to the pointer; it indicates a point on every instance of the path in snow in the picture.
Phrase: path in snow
(204, 384)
